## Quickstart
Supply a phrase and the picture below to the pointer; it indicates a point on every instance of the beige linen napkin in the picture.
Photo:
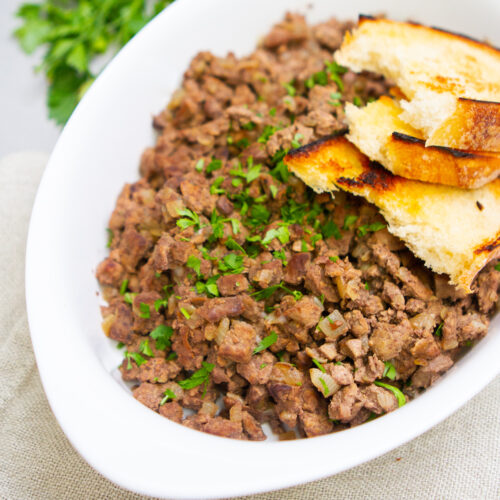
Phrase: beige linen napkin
(458, 459)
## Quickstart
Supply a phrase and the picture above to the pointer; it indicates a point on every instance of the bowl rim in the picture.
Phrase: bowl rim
(98, 437)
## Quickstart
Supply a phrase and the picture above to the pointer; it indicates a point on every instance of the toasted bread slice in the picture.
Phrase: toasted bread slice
(454, 231)
(451, 82)
(378, 132)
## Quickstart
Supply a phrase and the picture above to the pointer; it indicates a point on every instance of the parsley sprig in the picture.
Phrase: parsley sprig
(73, 34)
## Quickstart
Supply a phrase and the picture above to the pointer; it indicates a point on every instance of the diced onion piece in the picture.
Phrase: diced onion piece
(222, 331)
(273, 318)
(314, 353)
(333, 326)
(107, 322)
(323, 382)
(425, 321)
(285, 373)
(208, 408)
(174, 207)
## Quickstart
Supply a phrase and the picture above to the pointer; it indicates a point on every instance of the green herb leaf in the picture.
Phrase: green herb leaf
(123, 287)
(349, 220)
(331, 229)
(290, 88)
(231, 263)
(497, 267)
(214, 165)
(110, 237)
(325, 387)
(185, 313)
(145, 349)
(399, 395)
(376, 226)
(199, 377)
(281, 233)
(439, 331)
(139, 360)
(144, 311)
(162, 335)
(389, 370)
(195, 264)
(319, 365)
(199, 165)
(334, 258)
(169, 394)
(266, 342)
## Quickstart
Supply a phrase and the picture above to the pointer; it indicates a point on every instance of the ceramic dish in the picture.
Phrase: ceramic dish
(97, 153)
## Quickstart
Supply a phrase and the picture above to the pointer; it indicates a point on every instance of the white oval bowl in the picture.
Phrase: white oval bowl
(97, 153)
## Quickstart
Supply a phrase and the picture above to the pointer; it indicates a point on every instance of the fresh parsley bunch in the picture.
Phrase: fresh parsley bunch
(73, 33)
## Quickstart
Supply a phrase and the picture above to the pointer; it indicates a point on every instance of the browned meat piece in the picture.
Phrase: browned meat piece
(214, 425)
(239, 342)
(393, 295)
(315, 424)
(158, 370)
(357, 323)
(340, 373)
(368, 371)
(292, 29)
(266, 275)
(252, 427)
(385, 258)
(180, 251)
(214, 310)
(232, 284)
(415, 306)
(149, 395)
(224, 206)
(133, 247)
(472, 326)
(426, 347)
(196, 194)
(288, 402)
(295, 270)
(412, 285)
(122, 327)
(428, 374)
(488, 284)
(161, 252)
(109, 272)
(319, 284)
(353, 348)
(172, 410)
(379, 400)
(450, 332)
(305, 311)
(446, 291)
(387, 340)
(258, 369)
(329, 34)
(346, 403)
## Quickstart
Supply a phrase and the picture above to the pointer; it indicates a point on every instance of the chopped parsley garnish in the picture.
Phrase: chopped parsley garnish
(231, 263)
(399, 395)
(215, 187)
(120, 345)
(144, 311)
(262, 366)
(326, 391)
(274, 190)
(376, 226)
(195, 264)
(199, 165)
(439, 331)
(281, 233)
(169, 394)
(331, 229)
(334, 258)
(209, 287)
(171, 356)
(267, 292)
(162, 334)
(349, 220)
(185, 313)
(189, 219)
(497, 267)
(290, 88)
(128, 297)
(199, 377)
(335, 70)
(295, 142)
(110, 237)
(248, 126)
(367, 285)
(335, 96)
(139, 360)
(145, 349)
(266, 342)
(214, 165)
(234, 245)
(319, 365)
(243, 143)
(123, 287)
(319, 78)
(280, 254)
(159, 303)
(272, 112)
(389, 370)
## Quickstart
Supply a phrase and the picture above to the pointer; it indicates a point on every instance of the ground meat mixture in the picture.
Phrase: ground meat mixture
(243, 297)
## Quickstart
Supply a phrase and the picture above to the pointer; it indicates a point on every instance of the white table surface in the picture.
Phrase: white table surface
(24, 125)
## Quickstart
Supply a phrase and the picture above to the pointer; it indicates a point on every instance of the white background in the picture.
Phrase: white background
(24, 125)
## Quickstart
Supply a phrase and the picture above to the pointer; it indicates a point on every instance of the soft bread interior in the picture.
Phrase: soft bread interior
(433, 69)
